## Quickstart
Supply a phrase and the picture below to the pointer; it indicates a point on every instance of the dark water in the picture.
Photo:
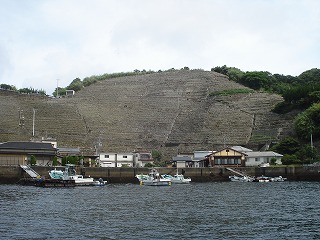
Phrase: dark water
(228, 210)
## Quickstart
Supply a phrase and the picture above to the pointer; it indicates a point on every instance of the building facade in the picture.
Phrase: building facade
(21, 153)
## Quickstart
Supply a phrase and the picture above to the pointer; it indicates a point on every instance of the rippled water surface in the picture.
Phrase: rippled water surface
(228, 210)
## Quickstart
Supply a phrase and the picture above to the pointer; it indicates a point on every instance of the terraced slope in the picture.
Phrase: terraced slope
(170, 111)
(52, 118)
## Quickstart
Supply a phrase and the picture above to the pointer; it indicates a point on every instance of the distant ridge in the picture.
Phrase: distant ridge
(169, 111)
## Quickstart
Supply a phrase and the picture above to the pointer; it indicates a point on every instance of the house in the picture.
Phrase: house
(254, 159)
(200, 158)
(141, 158)
(65, 152)
(116, 159)
(107, 159)
(227, 157)
(181, 161)
(70, 93)
(125, 159)
(196, 159)
(21, 153)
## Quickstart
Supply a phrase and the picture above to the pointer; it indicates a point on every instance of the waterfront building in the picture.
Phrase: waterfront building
(21, 153)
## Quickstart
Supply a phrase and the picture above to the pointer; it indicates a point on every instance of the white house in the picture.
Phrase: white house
(107, 159)
(254, 159)
(124, 159)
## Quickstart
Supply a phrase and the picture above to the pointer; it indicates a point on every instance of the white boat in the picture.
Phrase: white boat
(153, 179)
(99, 182)
(241, 179)
(177, 178)
(278, 179)
(69, 173)
(270, 179)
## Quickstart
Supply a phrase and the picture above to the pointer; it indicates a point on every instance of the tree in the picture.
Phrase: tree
(223, 70)
(288, 145)
(55, 161)
(33, 160)
(75, 85)
(308, 122)
(235, 74)
(257, 80)
(288, 159)
(312, 75)
(61, 92)
(8, 87)
(156, 155)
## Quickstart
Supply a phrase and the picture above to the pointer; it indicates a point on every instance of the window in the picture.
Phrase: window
(230, 161)
(125, 156)
(257, 159)
(106, 156)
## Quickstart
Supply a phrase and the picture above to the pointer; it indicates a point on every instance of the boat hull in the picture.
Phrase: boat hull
(155, 183)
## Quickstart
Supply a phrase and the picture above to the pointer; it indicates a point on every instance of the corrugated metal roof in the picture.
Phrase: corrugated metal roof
(184, 158)
(263, 154)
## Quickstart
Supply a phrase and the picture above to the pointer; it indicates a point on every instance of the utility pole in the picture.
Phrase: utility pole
(57, 95)
(33, 119)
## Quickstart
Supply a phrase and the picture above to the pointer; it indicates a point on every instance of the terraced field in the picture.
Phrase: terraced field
(169, 111)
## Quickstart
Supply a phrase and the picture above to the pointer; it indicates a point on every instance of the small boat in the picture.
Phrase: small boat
(69, 173)
(99, 182)
(270, 179)
(177, 178)
(278, 179)
(153, 179)
(142, 177)
(262, 179)
(241, 179)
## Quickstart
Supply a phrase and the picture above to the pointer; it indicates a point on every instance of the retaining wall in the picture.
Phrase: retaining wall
(12, 174)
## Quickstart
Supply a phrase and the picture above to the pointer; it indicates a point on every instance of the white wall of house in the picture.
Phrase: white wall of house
(107, 159)
(181, 164)
(254, 159)
(107, 164)
(125, 159)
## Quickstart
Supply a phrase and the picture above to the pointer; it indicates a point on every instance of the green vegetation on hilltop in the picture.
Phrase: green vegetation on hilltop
(77, 84)
(22, 90)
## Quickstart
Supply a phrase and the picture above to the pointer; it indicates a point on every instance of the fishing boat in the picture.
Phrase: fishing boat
(241, 179)
(177, 178)
(153, 179)
(69, 173)
(270, 179)
(278, 179)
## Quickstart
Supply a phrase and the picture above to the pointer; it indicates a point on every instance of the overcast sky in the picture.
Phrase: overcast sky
(45, 40)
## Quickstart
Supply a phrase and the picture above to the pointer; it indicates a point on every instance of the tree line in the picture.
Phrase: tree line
(22, 90)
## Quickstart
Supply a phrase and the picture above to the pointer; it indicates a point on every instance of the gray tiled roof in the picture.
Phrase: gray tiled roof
(27, 146)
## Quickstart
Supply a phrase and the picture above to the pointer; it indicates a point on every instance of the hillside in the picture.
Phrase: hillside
(169, 111)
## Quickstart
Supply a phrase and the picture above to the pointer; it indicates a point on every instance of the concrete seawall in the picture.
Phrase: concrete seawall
(12, 174)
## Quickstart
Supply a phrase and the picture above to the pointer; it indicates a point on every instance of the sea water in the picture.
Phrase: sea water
(224, 210)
